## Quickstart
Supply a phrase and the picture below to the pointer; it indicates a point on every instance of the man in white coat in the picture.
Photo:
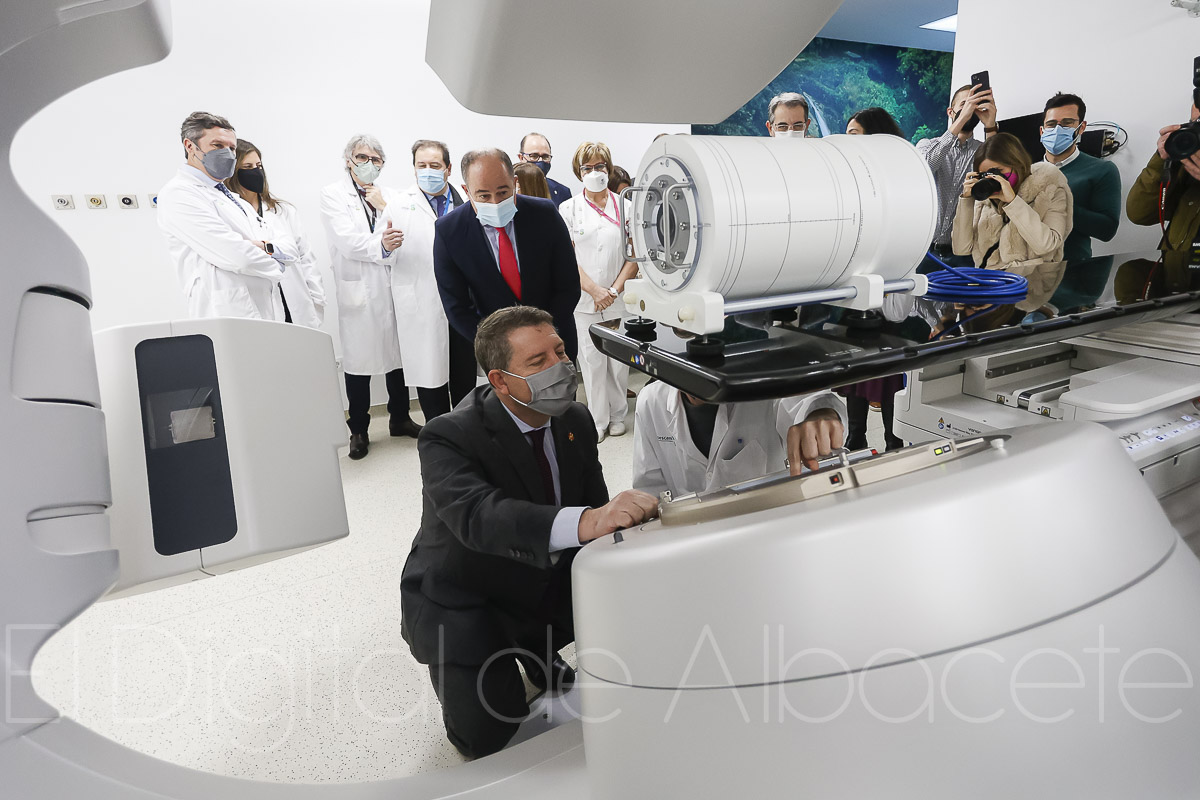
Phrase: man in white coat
(435, 355)
(363, 245)
(228, 263)
(684, 445)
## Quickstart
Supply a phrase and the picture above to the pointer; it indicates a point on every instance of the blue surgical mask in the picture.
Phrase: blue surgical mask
(498, 215)
(1058, 140)
(220, 162)
(431, 181)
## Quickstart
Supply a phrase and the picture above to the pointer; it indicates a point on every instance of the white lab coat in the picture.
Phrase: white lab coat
(420, 319)
(600, 252)
(302, 283)
(210, 240)
(749, 440)
(362, 279)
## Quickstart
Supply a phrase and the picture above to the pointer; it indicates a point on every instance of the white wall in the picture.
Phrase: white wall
(1130, 61)
(297, 79)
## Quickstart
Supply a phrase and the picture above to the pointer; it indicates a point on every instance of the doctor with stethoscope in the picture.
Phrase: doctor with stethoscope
(596, 221)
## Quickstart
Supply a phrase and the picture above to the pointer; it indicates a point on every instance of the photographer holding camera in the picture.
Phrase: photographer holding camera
(1012, 215)
(1167, 193)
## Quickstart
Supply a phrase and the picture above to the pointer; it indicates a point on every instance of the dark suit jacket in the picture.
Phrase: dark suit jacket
(558, 193)
(479, 576)
(470, 282)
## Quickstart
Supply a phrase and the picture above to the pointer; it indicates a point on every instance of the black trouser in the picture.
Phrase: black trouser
(483, 705)
(358, 395)
(856, 412)
(462, 367)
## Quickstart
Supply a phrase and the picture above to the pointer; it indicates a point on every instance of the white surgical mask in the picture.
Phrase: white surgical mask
(789, 134)
(497, 215)
(367, 173)
(595, 181)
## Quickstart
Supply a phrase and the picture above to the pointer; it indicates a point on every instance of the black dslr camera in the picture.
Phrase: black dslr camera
(1185, 142)
(986, 187)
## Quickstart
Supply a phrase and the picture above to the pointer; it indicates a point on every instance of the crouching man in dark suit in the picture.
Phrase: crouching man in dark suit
(511, 488)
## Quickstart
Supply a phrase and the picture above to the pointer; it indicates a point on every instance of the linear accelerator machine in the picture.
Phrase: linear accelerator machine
(893, 626)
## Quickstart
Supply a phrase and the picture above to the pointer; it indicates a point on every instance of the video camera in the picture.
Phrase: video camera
(1184, 142)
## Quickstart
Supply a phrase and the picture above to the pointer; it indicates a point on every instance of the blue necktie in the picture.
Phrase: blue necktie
(225, 191)
(441, 204)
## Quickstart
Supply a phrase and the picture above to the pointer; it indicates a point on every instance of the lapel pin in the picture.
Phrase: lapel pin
(570, 437)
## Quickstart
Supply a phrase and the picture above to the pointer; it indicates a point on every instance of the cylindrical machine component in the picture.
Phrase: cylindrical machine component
(754, 216)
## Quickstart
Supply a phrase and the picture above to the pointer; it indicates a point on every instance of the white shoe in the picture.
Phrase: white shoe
(616, 429)
(601, 436)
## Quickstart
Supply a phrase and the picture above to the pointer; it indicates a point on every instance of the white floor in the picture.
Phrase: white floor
(292, 671)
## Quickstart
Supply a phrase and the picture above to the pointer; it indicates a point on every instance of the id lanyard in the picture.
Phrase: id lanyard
(369, 210)
(600, 211)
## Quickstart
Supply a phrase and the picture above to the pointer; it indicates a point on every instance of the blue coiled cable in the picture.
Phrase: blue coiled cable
(975, 286)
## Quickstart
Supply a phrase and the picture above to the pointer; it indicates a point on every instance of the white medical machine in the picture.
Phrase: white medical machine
(733, 224)
(223, 437)
(1142, 381)
(1003, 616)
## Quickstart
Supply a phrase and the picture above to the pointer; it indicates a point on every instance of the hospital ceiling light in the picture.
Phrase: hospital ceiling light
(949, 23)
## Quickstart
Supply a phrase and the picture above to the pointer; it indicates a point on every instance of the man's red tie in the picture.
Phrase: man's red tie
(508, 262)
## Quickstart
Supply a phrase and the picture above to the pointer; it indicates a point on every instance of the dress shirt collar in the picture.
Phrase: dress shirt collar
(200, 175)
(522, 426)
(1068, 159)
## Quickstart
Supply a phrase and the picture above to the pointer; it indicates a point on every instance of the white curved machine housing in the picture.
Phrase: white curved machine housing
(223, 438)
(720, 219)
(1002, 621)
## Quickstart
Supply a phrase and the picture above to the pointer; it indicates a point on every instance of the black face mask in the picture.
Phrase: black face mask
(253, 179)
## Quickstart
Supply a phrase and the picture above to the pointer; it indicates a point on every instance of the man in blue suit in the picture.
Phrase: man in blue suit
(503, 250)
(535, 148)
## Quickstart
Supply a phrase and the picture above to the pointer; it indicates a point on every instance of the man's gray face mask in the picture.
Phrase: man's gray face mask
(220, 162)
(552, 390)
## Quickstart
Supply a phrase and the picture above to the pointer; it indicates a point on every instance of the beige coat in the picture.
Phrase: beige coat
(1039, 220)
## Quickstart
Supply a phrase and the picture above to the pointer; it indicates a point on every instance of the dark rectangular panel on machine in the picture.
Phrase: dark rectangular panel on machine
(183, 428)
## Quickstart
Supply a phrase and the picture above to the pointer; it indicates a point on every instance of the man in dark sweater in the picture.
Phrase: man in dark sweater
(1095, 184)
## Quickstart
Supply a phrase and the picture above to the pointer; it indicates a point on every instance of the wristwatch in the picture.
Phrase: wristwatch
(612, 291)
(270, 248)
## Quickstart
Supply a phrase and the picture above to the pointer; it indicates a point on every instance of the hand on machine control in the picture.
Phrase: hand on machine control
(817, 437)
(627, 509)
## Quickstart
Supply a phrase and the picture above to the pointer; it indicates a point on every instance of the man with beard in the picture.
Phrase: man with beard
(951, 156)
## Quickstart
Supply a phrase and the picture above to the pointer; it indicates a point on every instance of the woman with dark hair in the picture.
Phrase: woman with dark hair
(531, 180)
(301, 287)
(873, 120)
(1024, 221)
(619, 181)
(881, 392)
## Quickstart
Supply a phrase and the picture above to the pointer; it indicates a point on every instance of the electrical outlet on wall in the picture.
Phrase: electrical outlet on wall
(94, 201)
(127, 201)
(153, 200)
(63, 202)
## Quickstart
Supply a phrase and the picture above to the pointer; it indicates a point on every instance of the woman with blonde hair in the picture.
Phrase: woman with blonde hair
(531, 180)
(596, 221)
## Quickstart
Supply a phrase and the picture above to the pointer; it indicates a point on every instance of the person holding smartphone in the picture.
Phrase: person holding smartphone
(951, 156)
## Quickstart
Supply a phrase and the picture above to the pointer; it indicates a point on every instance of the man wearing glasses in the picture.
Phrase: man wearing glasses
(787, 116)
(535, 148)
(363, 244)
(1095, 183)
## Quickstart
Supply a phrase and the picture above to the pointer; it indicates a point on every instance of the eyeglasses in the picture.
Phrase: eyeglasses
(782, 127)
(537, 156)
(584, 169)
(1051, 124)
(362, 158)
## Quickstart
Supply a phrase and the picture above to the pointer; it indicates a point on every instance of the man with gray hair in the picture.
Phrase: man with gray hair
(512, 487)
(787, 116)
(363, 242)
(500, 249)
(229, 265)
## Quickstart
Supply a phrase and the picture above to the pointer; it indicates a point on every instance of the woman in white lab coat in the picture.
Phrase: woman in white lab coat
(745, 440)
(301, 287)
(596, 221)
(363, 241)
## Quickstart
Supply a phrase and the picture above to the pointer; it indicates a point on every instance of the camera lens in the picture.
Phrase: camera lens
(1183, 143)
(985, 188)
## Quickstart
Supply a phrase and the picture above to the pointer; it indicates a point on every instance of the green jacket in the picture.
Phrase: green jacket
(1182, 211)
